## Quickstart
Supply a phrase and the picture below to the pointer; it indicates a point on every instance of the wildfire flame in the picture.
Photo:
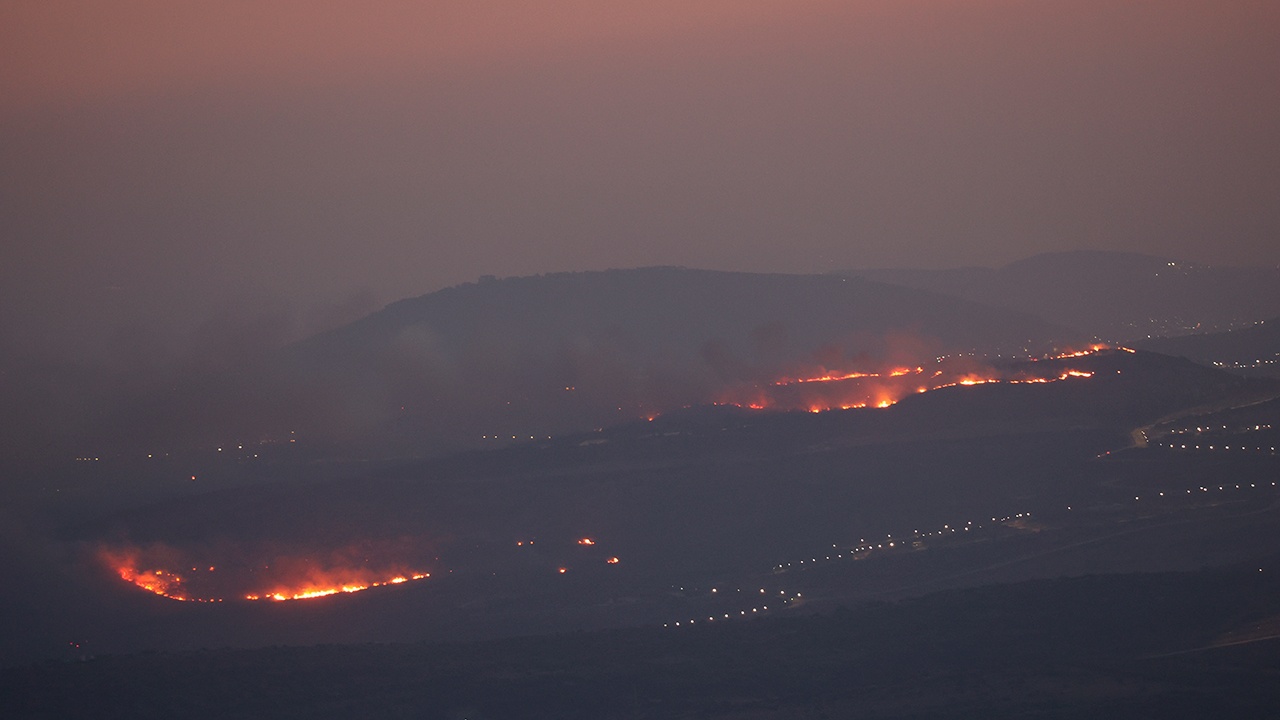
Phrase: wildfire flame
(149, 569)
(1098, 347)
(313, 591)
(160, 582)
(852, 389)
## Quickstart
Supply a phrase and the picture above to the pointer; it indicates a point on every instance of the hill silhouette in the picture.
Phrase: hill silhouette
(1116, 296)
(532, 356)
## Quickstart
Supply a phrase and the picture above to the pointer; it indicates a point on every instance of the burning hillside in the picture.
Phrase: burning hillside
(238, 570)
(824, 388)
(185, 576)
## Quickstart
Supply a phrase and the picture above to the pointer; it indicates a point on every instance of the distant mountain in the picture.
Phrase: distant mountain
(1251, 350)
(1115, 296)
(530, 356)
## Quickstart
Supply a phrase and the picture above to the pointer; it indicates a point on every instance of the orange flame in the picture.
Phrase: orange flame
(165, 583)
(308, 591)
(147, 568)
(845, 390)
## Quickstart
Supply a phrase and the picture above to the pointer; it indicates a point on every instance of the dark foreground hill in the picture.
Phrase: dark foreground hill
(1117, 296)
(687, 501)
(1189, 645)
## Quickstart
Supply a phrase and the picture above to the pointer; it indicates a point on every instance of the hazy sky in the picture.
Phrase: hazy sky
(165, 162)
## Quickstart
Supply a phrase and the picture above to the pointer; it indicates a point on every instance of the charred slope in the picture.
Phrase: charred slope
(1115, 296)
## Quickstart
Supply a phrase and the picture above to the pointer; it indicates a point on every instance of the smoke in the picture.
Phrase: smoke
(144, 384)
(513, 360)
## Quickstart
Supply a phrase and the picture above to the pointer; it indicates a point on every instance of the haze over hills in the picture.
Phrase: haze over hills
(535, 356)
(571, 351)
(517, 356)
(318, 398)
(770, 485)
(1118, 297)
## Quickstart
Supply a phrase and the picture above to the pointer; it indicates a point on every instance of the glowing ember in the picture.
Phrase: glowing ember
(586, 541)
(613, 561)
